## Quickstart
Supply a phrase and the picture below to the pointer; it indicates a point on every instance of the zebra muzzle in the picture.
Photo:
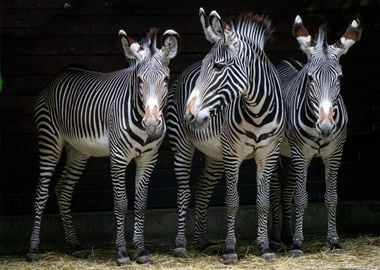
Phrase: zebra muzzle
(152, 122)
(325, 124)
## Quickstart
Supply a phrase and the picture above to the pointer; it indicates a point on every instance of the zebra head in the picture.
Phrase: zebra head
(222, 76)
(323, 71)
(151, 74)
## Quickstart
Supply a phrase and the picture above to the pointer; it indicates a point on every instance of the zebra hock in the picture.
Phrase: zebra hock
(316, 127)
(229, 107)
(116, 114)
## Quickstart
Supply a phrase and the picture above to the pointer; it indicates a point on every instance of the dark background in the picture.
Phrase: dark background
(40, 37)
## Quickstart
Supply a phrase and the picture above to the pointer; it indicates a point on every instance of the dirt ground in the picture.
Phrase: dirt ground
(360, 252)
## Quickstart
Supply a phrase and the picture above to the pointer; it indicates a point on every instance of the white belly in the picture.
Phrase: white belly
(94, 147)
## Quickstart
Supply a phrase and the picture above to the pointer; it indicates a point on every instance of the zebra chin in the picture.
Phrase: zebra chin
(154, 131)
(201, 120)
(325, 128)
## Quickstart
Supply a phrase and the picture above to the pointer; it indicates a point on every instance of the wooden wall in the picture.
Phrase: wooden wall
(40, 37)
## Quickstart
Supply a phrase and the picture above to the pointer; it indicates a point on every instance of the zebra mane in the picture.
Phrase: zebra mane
(321, 36)
(253, 27)
(149, 42)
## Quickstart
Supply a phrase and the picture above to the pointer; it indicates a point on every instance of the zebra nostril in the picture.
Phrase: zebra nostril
(189, 116)
(143, 123)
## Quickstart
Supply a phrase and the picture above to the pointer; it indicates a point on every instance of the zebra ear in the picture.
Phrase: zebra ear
(170, 44)
(302, 35)
(216, 26)
(352, 34)
(207, 30)
(131, 47)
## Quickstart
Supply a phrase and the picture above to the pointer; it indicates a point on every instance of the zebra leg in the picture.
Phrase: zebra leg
(288, 189)
(300, 201)
(144, 168)
(118, 167)
(182, 166)
(275, 200)
(232, 165)
(50, 148)
(74, 167)
(266, 164)
(211, 174)
(331, 199)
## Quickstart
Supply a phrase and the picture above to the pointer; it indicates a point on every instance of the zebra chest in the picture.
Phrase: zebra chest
(211, 147)
(94, 147)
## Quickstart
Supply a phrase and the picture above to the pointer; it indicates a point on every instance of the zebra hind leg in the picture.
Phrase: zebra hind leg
(74, 167)
(275, 200)
(182, 165)
(50, 148)
(211, 174)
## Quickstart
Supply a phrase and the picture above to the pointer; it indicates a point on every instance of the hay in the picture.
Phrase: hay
(362, 252)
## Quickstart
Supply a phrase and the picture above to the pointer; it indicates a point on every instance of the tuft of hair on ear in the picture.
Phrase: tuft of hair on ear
(353, 31)
(299, 30)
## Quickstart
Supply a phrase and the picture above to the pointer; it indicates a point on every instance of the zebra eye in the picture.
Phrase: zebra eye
(310, 77)
(166, 80)
(218, 66)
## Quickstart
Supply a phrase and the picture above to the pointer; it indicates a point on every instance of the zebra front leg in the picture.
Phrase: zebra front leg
(300, 201)
(144, 168)
(182, 166)
(49, 153)
(232, 165)
(331, 199)
(211, 174)
(74, 167)
(118, 167)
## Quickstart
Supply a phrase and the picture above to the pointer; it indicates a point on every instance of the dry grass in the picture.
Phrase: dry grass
(362, 252)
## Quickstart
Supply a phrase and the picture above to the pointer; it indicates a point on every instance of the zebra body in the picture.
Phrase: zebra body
(116, 114)
(229, 107)
(316, 127)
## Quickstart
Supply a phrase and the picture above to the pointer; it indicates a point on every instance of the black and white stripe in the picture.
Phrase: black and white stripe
(116, 114)
(316, 127)
(229, 107)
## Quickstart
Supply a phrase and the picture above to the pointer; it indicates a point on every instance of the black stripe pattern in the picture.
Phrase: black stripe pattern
(229, 107)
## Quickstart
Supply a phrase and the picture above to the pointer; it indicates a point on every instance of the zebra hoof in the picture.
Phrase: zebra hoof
(123, 261)
(295, 253)
(274, 245)
(211, 249)
(336, 248)
(230, 258)
(268, 255)
(144, 257)
(180, 252)
(32, 256)
(202, 244)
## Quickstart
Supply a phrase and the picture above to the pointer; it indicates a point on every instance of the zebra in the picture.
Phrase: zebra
(228, 106)
(315, 127)
(116, 114)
